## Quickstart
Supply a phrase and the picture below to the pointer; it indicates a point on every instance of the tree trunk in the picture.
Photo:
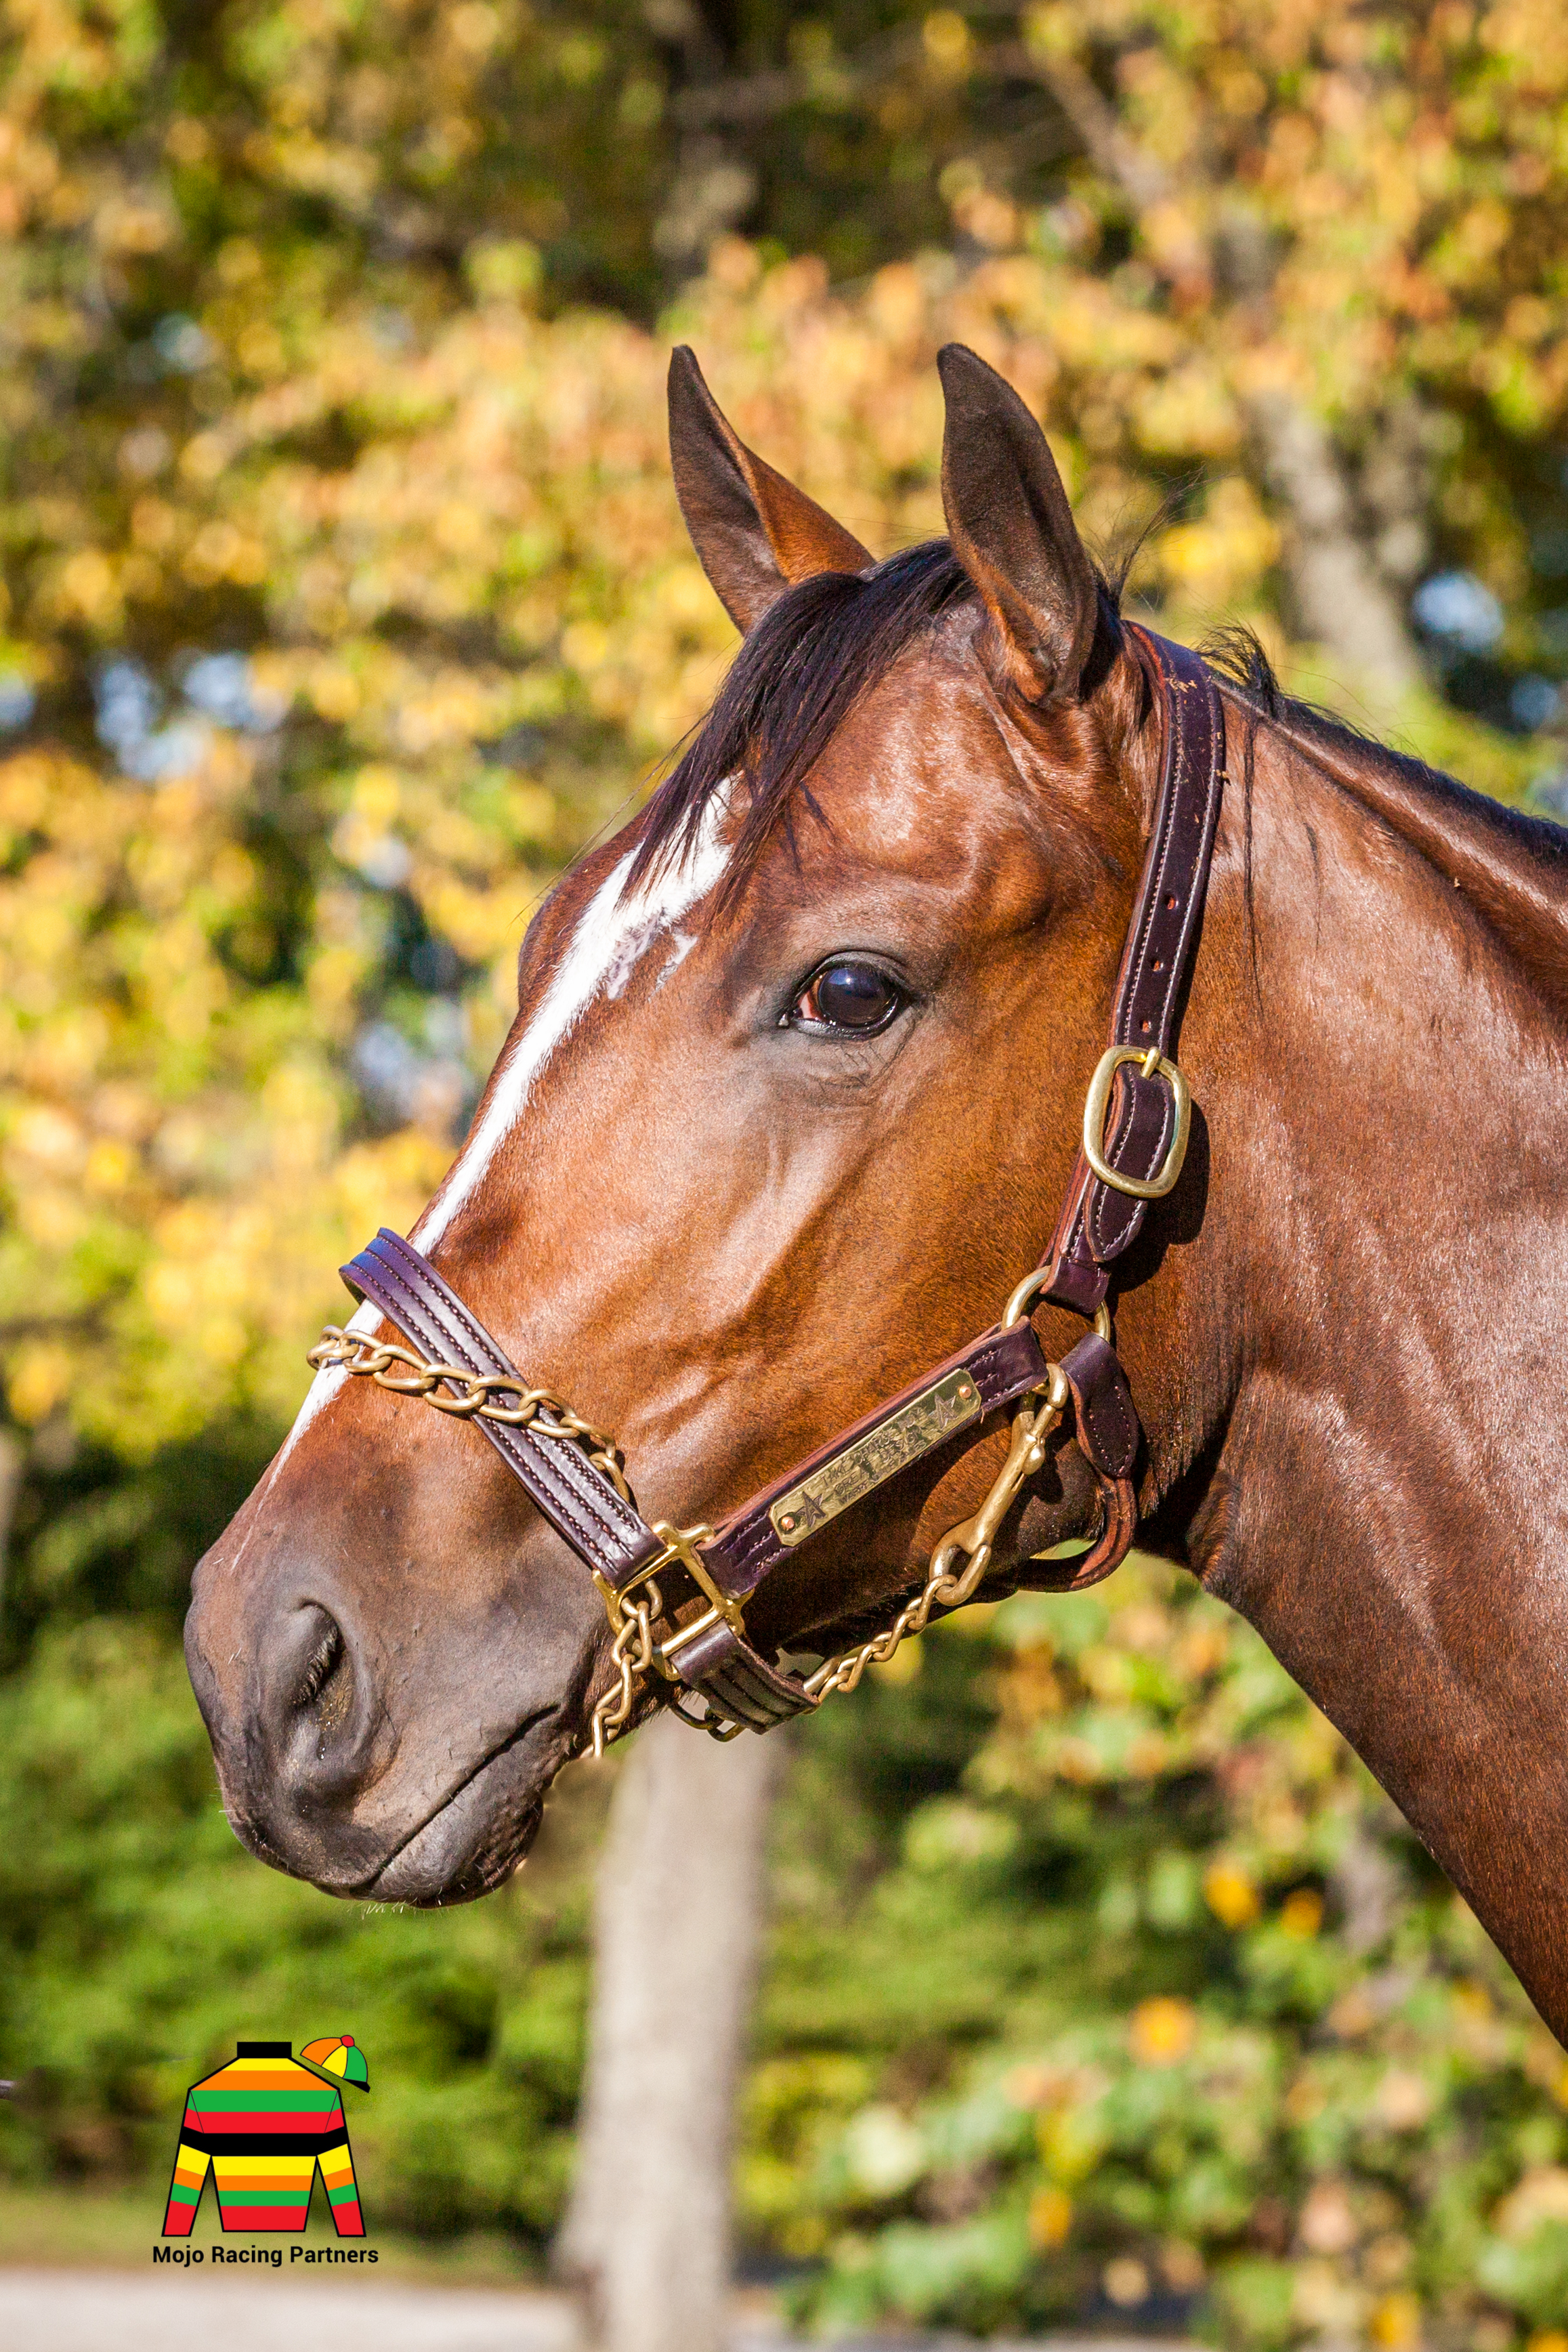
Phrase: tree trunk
(675, 1934)
(1342, 601)
(13, 1461)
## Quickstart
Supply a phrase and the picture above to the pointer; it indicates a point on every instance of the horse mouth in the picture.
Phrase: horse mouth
(480, 1832)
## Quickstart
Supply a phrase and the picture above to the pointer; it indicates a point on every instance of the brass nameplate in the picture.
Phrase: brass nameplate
(921, 1424)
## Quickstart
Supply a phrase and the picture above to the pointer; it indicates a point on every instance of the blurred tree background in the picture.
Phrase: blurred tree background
(345, 598)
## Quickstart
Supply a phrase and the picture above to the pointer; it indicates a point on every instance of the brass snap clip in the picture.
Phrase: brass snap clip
(1036, 1417)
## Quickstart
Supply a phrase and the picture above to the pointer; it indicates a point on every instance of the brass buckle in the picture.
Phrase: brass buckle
(680, 1547)
(1154, 1064)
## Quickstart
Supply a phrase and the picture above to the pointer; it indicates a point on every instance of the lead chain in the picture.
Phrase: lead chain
(631, 1653)
(843, 1673)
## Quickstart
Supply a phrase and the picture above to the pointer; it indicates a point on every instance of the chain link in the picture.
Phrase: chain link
(631, 1653)
(538, 1410)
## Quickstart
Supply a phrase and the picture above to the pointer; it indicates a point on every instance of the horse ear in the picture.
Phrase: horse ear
(1012, 528)
(755, 533)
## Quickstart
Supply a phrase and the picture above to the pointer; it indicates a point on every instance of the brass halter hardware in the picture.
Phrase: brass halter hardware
(633, 1619)
(1021, 1303)
(1152, 1064)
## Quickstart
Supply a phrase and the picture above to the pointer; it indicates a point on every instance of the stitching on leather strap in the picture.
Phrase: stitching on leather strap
(611, 1514)
(559, 1496)
(1158, 869)
(1105, 1203)
(1109, 1404)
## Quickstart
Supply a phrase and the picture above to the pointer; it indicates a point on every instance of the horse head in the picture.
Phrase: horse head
(795, 1086)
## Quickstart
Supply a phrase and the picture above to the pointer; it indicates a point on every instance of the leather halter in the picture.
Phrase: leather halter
(1126, 1159)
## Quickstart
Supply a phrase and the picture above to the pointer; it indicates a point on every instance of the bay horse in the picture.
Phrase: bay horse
(795, 1083)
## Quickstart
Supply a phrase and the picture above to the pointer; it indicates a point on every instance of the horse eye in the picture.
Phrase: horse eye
(854, 997)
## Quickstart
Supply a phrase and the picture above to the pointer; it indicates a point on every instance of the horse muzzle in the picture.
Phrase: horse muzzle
(352, 1755)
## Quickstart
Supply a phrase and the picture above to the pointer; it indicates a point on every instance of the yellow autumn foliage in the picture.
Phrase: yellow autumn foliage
(363, 600)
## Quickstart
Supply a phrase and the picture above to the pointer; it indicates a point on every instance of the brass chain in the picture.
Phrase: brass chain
(538, 1410)
(632, 1655)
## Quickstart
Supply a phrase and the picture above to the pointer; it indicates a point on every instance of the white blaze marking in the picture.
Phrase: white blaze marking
(612, 937)
(682, 942)
(324, 1385)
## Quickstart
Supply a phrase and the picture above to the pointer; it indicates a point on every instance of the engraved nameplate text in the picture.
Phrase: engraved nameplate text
(926, 1421)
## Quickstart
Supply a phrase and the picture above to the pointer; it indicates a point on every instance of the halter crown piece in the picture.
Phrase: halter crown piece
(688, 1643)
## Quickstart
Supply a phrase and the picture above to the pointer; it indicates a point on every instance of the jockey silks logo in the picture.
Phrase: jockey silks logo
(263, 2126)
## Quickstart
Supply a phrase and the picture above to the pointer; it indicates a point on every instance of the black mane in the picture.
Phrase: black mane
(795, 680)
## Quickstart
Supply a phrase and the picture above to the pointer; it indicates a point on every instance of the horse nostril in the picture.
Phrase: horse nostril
(323, 1663)
(320, 1715)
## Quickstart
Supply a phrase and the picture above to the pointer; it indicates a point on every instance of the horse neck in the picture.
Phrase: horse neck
(1403, 1078)
(1386, 1247)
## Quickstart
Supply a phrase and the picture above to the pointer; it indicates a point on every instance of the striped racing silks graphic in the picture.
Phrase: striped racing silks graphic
(262, 2124)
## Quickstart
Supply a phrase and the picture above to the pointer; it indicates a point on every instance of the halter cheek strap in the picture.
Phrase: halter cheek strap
(1134, 1138)
(1147, 1135)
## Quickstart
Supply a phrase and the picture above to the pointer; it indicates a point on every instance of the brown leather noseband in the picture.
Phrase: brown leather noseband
(1134, 1139)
